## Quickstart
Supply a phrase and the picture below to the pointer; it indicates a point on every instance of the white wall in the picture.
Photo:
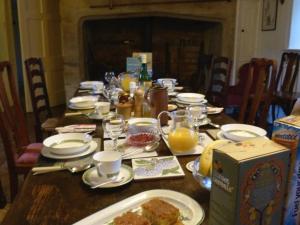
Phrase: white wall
(295, 26)
(270, 44)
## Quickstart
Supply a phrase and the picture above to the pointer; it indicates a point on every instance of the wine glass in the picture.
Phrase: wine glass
(114, 126)
(108, 76)
(199, 116)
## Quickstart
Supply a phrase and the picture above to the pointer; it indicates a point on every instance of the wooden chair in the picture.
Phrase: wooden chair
(20, 155)
(219, 81)
(39, 98)
(257, 93)
(200, 79)
(285, 95)
(2, 197)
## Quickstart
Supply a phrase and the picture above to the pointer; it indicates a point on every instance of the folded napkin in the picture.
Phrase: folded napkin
(131, 151)
(77, 128)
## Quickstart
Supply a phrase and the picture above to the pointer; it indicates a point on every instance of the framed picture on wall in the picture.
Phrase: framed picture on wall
(269, 15)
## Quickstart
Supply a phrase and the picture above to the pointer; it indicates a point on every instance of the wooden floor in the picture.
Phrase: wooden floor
(3, 166)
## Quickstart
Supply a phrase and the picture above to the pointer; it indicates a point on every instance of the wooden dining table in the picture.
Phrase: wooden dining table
(62, 198)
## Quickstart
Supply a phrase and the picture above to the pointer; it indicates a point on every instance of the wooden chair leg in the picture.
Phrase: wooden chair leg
(2, 197)
(13, 179)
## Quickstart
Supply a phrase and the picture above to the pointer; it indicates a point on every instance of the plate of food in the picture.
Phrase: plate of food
(158, 206)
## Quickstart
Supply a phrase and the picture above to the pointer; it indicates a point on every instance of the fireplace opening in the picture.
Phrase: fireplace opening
(176, 44)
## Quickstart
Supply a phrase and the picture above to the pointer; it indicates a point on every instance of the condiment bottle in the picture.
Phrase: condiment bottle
(138, 102)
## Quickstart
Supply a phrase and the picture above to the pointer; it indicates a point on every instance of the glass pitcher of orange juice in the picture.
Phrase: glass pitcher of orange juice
(180, 134)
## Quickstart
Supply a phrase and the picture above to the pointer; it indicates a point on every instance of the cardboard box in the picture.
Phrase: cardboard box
(248, 183)
(286, 131)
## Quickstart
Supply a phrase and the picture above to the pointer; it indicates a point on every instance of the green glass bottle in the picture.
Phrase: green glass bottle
(145, 79)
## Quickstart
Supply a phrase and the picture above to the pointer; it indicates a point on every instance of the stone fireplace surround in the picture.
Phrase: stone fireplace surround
(74, 12)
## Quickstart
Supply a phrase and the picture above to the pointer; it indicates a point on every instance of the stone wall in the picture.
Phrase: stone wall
(75, 12)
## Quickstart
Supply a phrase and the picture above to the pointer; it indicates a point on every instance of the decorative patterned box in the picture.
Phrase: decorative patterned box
(286, 131)
(248, 183)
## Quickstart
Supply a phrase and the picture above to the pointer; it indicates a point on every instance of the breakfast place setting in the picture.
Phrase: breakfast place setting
(139, 132)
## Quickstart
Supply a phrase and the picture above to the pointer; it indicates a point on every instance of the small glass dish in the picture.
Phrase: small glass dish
(142, 135)
(204, 181)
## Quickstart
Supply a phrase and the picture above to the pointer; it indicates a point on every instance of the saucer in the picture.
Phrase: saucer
(71, 106)
(91, 177)
(47, 153)
(190, 166)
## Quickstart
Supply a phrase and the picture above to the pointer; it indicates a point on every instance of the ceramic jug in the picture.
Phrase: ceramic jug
(157, 98)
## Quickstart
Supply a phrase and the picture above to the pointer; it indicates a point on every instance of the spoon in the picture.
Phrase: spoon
(214, 125)
(147, 148)
(113, 180)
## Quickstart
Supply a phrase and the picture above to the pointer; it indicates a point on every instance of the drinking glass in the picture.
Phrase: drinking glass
(108, 76)
(114, 126)
(198, 114)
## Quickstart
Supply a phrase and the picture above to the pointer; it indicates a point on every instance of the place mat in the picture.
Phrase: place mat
(125, 149)
(156, 168)
(77, 128)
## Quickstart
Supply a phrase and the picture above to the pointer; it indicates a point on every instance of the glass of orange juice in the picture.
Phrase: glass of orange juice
(181, 136)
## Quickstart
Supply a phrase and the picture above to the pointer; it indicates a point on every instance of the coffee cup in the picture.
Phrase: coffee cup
(108, 163)
(102, 108)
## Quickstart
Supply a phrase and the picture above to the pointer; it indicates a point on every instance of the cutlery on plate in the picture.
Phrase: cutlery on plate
(114, 179)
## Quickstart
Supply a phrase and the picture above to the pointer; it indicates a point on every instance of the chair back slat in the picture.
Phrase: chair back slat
(219, 81)
(11, 112)
(288, 72)
(260, 84)
(38, 92)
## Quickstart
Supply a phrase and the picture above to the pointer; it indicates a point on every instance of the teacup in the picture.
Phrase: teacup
(169, 84)
(102, 108)
(108, 163)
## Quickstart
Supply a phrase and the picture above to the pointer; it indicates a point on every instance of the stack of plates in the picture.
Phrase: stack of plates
(190, 99)
(89, 84)
(240, 132)
(83, 102)
(69, 145)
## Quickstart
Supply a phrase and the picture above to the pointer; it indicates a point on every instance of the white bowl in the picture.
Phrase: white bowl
(142, 122)
(162, 80)
(84, 101)
(68, 143)
(191, 97)
(241, 132)
(90, 84)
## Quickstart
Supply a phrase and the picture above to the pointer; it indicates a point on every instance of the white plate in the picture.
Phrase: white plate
(240, 132)
(187, 206)
(172, 93)
(83, 101)
(214, 110)
(178, 88)
(190, 97)
(204, 101)
(89, 84)
(71, 106)
(46, 153)
(68, 143)
(91, 177)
